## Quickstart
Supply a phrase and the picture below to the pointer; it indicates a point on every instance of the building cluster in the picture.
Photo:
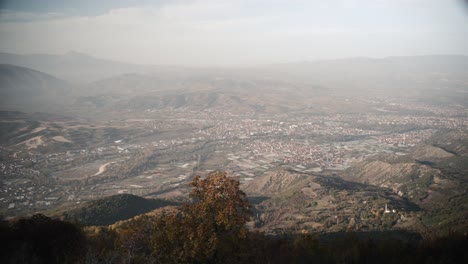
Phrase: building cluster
(12, 170)
(406, 139)
(30, 196)
(417, 121)
(297, 153)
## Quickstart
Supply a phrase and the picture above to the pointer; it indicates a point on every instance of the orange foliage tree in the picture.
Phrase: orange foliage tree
(207, 227)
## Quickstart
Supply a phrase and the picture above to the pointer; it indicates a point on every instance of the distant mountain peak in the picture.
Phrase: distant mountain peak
(75, 54)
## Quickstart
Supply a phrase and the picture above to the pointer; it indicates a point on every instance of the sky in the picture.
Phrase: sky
(235, 32)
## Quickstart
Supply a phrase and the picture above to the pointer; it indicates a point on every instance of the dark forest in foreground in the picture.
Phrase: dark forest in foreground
(211, 228)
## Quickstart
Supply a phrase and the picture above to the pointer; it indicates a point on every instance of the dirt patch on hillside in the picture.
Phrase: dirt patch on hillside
(61, 139)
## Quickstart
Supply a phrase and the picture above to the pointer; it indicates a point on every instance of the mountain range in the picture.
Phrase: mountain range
(76, 83)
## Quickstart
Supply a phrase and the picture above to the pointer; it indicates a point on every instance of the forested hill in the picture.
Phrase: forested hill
(114, 208)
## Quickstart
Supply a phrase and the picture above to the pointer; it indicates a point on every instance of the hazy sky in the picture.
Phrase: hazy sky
(221, 32)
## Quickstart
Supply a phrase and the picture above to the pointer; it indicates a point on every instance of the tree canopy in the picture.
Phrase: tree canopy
(211, 223)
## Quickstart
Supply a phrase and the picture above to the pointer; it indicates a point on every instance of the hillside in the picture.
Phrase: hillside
(72, 66)
(287, 201)
(151, 92)
(30, 90)
(432, 175)
(109, 210)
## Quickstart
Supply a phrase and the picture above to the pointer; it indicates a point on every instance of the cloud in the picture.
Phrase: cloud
(14, 16)
(208, 32)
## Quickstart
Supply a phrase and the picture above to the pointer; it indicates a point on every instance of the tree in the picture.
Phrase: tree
(209, 226)
(217, 200)
(134, 240)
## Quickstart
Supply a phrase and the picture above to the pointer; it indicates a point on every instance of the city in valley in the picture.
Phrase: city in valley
(310, 154)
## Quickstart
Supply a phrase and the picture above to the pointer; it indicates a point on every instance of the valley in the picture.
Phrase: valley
(49, 164)
(311, 155)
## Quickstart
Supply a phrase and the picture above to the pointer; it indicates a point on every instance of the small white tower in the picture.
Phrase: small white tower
(386, 209)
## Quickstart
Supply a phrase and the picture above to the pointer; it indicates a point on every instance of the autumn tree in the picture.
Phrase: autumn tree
(134, 240)
(208, 226)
